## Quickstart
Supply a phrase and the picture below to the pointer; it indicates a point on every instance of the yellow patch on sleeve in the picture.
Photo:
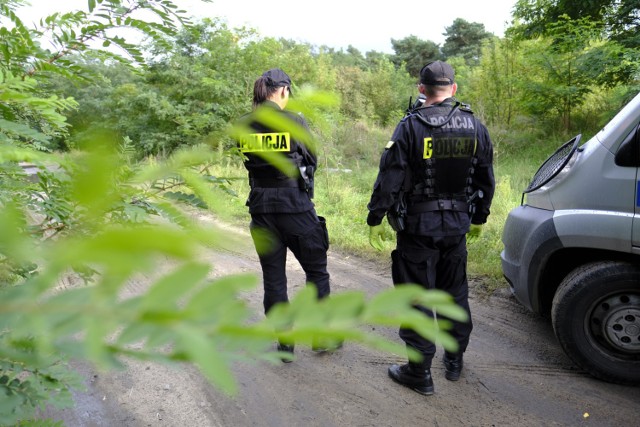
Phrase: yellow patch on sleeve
(389, 145)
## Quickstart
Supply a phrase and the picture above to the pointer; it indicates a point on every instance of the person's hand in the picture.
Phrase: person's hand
(376, 236)
(474, 232)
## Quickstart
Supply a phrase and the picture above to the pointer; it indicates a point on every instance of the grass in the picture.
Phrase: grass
(345, 180)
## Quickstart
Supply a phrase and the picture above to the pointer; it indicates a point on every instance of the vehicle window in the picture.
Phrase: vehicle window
(629, 152)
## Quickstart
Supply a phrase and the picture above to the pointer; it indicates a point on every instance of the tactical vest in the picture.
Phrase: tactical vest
(444, 159)
(259, 146)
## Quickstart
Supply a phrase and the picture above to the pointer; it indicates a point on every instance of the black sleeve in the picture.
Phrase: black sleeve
(393, 166)
(483, 178)
(307, 144)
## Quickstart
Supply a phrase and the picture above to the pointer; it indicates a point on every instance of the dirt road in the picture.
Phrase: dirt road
(515, 375)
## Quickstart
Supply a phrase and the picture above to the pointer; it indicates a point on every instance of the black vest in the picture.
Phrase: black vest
(263, 146)
(444, 153)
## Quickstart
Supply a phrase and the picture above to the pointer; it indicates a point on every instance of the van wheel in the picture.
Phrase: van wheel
(596, 318)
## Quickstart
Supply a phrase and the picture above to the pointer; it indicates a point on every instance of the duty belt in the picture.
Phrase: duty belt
(274, 183)
(438, 205)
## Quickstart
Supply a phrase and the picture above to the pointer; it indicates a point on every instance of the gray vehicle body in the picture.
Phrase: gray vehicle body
(573, 249)
(589, 211)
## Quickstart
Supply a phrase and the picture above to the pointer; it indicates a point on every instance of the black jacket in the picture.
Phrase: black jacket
(404, 154)
(273, 191)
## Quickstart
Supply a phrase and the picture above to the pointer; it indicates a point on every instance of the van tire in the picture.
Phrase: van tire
(596, 318)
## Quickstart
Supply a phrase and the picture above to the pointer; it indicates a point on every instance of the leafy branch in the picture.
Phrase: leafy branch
(185, 315)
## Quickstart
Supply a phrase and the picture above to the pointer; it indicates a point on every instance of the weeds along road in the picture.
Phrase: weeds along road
(515, 375)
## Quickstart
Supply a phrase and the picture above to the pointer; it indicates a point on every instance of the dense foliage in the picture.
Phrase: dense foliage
(616, 21)
(121, 135)
(81, 216)
(203, 80)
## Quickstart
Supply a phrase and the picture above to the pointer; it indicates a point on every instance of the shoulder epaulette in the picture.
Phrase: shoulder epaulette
(466, 107)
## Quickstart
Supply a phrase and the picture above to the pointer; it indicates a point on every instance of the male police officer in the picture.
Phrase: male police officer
(436, 183)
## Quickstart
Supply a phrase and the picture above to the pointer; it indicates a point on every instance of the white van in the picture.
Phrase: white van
(572, 250)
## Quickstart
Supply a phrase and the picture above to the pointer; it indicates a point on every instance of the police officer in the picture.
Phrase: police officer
(435, 183)
(282, 213)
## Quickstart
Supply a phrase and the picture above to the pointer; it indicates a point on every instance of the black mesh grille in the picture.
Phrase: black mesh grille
(554, 164)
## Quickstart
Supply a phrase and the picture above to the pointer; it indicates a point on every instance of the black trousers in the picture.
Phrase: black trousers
(433, 263)
(305, 234)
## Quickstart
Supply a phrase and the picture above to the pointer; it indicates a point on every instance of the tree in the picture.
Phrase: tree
(191, 90)
(414, 53)
(563, 69)
(465, 39)
(623, 20)
(619, 18)
(374, 57)
(495, 89)
(351, 58)
(617, 21)
(27, 60)
(355, 103)
(391, 88)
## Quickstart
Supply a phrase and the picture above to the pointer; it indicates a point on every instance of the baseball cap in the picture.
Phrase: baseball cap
(437, 73)
(277, 78)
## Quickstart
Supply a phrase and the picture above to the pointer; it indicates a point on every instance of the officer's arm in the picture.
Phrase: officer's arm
(307, 148)
(483, 178)
(393, 165)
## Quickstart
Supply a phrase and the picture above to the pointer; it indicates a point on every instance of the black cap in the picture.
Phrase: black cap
(437, 73)
(277, 78)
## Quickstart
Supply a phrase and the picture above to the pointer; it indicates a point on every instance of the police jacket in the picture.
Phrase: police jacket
(273, 191)
(439, 157)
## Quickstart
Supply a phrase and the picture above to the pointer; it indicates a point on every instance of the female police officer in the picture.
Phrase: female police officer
(282, 213)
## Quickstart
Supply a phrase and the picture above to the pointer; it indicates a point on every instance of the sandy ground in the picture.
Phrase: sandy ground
(515, 375)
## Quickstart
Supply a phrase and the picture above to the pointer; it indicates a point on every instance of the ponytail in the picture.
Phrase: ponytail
(262, 91)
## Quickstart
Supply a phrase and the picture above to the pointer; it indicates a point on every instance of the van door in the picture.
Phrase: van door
(635, 238)
(628, 155)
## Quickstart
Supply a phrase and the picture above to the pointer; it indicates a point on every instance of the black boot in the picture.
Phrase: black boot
(416, 378)
(286, 348)
(452, 366)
